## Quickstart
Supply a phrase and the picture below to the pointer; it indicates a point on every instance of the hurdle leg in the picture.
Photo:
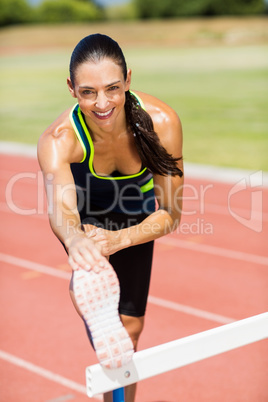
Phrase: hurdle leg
(119, 395)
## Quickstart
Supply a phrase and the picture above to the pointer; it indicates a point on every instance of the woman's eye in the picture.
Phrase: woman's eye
(87, 92)
(113, 88)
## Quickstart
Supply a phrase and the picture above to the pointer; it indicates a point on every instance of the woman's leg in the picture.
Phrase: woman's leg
(134, 326)
(134, 286)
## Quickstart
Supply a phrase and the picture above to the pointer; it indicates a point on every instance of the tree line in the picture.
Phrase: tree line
(192, 8)
(48, 11)
(57, 11)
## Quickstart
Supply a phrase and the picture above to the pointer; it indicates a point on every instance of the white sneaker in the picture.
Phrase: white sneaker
(97, 296)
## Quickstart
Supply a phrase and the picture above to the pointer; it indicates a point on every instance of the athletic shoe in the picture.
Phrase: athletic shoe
(97, 296)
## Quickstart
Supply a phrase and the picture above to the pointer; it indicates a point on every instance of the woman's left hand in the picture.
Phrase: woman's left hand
(110, 241)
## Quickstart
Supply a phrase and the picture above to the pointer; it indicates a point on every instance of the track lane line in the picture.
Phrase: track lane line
(190, 310)
(214, 250)
(171, 241)
(42, 372)
(218, 174)
(34, 266)
(211, 208)
(19, 262)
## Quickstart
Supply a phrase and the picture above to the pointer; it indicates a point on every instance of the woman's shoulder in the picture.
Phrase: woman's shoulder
(59, 141)
(166, 121)
(155, 105)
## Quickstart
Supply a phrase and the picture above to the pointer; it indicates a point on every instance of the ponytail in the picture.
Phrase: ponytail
(152, 154)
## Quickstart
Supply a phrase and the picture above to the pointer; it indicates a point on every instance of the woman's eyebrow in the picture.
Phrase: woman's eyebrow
(106, 86)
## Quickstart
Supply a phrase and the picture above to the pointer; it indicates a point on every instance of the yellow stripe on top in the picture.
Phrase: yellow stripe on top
(139, 99)
(91, 157)
(148, 186)
(77, 133)
(92, 151)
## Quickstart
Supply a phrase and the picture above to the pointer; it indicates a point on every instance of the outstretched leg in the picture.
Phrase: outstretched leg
(134, 327)
(97, 297)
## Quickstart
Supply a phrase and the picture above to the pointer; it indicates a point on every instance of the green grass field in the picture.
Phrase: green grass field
(219, 91)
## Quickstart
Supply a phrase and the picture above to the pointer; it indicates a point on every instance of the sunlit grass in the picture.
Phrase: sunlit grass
(219, 93)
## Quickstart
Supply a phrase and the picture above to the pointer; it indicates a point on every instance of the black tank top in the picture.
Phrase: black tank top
(132, 194)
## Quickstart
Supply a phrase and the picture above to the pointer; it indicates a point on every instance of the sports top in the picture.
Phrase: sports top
(132, 194)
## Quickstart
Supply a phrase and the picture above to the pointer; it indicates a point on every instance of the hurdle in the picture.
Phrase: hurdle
(175, 354)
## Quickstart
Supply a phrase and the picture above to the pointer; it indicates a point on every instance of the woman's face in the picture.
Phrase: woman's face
(100, 91)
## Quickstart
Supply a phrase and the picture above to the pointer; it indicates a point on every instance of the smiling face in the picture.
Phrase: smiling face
(100, 91)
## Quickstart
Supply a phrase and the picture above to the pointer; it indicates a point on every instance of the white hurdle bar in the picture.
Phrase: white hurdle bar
(172, 355)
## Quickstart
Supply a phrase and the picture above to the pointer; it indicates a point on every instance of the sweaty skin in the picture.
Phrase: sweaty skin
(100, 91)
(101, 98)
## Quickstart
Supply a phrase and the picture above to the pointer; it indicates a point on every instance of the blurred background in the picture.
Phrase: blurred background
(208, 59)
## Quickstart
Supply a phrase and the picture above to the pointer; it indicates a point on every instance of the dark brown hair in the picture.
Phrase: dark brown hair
(152, 154)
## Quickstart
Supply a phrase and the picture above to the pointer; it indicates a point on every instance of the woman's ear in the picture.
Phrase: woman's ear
(128, 80)
(70, 87)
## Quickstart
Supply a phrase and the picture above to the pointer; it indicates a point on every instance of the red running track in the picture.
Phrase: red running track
(213, 271)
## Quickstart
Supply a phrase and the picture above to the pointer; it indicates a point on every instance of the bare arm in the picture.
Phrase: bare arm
(57, 148)
(168, 190)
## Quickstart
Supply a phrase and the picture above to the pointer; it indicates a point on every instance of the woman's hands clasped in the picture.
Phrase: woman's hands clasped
(86, 254)
(90, 249)
(109, 242)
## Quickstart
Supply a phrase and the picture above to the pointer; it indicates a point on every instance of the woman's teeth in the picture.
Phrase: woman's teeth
(103, 114)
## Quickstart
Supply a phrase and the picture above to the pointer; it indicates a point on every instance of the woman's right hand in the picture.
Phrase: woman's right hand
(85, 254)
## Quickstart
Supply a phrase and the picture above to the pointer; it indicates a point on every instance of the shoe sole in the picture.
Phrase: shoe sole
(97, 297)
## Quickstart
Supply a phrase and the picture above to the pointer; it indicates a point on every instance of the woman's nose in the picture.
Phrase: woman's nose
(101, 101)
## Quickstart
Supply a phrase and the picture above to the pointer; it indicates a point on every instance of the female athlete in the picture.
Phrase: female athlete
(113, 171)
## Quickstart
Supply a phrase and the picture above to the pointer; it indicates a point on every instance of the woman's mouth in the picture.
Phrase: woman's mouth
(104, 115)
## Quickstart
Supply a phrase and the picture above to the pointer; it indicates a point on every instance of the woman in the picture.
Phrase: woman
(105, 162)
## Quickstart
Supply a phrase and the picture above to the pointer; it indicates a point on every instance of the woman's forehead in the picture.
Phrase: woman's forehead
(102, 64)
(105, 71)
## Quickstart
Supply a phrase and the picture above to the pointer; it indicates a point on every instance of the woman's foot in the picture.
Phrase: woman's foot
(97, 296)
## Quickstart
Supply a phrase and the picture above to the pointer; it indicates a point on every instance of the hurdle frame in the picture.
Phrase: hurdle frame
(175, 354)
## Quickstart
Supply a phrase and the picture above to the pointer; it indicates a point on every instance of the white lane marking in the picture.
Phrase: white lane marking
(19, 149)
(218, 251)
(190, 310)
(203, 248)
(62, 398)
(216, 209)
(218, 174)
(19, 262)
(49, 375)
(23, 211)
(209, 209)
(44, 269)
